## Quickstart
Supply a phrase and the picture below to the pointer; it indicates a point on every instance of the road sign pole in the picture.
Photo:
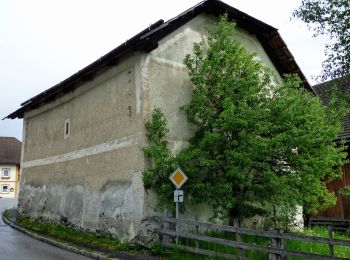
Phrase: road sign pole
(178, 178)
(176, 224)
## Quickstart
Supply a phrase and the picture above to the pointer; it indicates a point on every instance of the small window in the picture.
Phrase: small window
(5, 173)
(4, 188)
(66, 128)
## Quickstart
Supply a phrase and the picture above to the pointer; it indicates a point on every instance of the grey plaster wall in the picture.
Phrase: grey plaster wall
(92, 178)
(100, 111)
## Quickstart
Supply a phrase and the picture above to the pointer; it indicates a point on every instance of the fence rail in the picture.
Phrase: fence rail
(276, 248)
(337, 224)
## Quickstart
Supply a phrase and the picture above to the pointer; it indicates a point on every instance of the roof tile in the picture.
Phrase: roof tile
(324, 90)
(10, 150)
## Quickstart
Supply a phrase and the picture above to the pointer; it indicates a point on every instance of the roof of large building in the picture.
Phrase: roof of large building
(10, 151)
(147, 40)
(324, 90)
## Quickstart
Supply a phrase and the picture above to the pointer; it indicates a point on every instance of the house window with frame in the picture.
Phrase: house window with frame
(5, 173)
(4, 188)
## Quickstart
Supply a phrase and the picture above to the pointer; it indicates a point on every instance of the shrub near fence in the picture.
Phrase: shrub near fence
(275, 248)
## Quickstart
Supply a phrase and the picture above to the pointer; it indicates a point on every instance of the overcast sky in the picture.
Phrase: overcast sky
(44, 42)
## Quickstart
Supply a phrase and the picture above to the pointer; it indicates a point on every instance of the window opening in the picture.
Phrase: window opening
(4, 189)
(66, 128)
(5, 173)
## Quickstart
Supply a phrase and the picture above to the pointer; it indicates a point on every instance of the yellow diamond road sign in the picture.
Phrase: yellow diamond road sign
(178, 178)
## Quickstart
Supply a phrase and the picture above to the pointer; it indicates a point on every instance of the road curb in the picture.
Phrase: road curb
(55, 243)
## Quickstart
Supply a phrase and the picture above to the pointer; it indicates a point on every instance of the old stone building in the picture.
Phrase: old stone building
(83, 137)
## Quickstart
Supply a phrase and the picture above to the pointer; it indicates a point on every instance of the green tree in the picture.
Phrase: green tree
(257, 143)
(332, 18)
(163, 162)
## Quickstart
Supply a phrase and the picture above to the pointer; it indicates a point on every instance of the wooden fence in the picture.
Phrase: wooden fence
(276, 248)
(337, 224)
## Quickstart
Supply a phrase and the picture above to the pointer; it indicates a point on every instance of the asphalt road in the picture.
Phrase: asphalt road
(16, 246)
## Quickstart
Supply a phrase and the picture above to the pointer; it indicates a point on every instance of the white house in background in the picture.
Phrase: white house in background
(10, 157)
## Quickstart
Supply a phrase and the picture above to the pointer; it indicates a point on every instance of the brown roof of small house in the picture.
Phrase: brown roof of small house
(10, 150)
(147, 40)
(324, 90)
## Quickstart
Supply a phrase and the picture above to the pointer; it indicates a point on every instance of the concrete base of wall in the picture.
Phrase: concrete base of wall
(121, 208)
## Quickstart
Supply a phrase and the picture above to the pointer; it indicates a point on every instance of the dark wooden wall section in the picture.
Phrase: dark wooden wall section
(342, 208)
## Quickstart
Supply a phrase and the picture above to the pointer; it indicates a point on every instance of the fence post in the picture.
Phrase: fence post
(166, 225)
(282, 247)
(196, 242)
(238, 239)
(273, 244)
(277, 243)
(330, 243)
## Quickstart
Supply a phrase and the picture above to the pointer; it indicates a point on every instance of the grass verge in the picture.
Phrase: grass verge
(101, 242)
(6, 214)
(339, 251)
(108, 244)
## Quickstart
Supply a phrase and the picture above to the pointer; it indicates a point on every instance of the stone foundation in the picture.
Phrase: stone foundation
(118, 208)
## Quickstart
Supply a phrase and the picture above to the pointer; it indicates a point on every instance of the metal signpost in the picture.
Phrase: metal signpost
(178, 178)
